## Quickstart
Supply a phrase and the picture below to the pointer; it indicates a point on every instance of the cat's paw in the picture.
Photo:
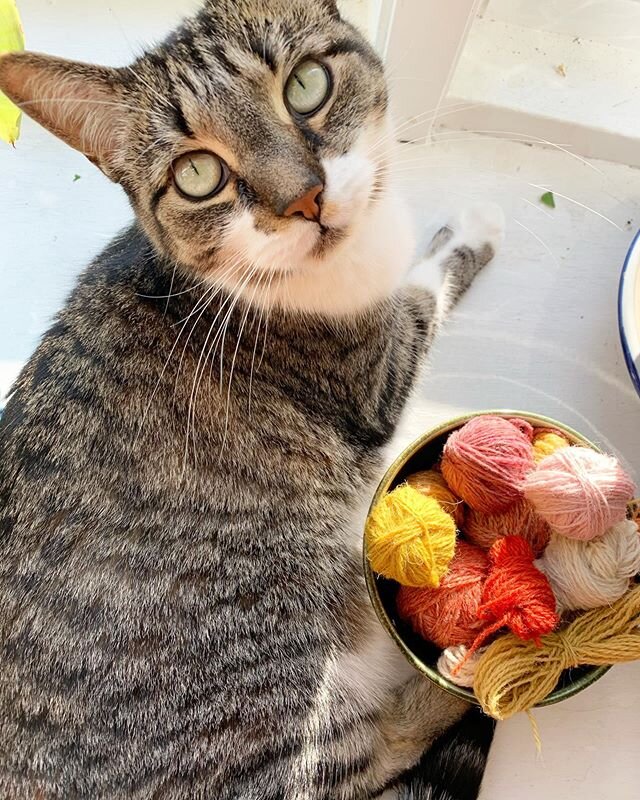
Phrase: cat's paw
(461, 250)
(478, 227)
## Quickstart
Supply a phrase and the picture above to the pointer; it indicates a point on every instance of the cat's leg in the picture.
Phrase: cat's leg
(457, 254)
(453, 768)
(450, 759)
(356, 753)
(418, 716)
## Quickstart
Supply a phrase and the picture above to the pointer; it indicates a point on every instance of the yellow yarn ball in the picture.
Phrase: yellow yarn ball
(546, 442)
(410, 539)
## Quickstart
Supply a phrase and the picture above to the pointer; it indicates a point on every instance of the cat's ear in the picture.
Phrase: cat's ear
(332, 7)
(80, 103)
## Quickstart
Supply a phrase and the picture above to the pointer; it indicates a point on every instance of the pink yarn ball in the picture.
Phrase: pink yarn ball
(579, 492)
(486, 461)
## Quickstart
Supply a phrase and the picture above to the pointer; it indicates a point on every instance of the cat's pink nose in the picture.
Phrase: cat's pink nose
(307, 206)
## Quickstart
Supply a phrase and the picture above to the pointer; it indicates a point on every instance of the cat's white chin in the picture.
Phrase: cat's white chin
(367, 266)
(361, 263)
(357, 257)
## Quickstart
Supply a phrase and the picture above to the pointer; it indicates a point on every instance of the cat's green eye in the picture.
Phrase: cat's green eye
(308, 88)
(199, 175)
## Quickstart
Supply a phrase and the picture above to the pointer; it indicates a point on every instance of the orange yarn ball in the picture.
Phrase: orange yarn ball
(516, 594)
(432, 484)
(449, 615)
(520, 519)
(485, 462)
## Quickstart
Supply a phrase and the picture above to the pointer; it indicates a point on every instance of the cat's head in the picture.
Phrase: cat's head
(253, 144)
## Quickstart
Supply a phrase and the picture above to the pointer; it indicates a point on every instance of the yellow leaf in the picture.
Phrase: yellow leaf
(11, 39)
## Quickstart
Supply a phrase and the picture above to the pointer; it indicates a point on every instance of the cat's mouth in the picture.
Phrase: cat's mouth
(328, 239)
(282, 247)
(339, 220)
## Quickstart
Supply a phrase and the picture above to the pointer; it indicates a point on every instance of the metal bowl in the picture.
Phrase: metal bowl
(423, 454)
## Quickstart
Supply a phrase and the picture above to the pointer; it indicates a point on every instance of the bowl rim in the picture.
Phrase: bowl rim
(538, 420)
(626, 299)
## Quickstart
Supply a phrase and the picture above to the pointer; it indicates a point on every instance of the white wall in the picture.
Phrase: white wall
(366, 14)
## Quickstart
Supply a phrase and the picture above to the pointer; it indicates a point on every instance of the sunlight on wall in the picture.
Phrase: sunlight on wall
(364, 13)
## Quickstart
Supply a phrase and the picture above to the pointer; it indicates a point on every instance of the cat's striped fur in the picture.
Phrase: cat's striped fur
(182, 609)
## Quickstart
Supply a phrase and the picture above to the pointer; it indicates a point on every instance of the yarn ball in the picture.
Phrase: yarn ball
(449, 615)
(516, 595)
(410, 539)
(520, 519)
(596, 573)
(579, 492)
(486, 461)
(456, 665)
(546, 441)
(431, 484)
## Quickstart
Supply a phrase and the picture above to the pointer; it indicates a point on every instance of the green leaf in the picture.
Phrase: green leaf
(11, 39)
(548, 199)
(76, 178)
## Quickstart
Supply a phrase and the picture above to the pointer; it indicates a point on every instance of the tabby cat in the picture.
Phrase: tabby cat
(186, 460)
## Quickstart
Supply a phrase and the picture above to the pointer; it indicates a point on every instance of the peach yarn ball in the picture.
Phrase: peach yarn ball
(449, 615)
(518, 520)
(431, 484)
(485, 462)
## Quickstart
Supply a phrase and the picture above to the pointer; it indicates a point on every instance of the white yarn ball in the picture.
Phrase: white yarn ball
(591, 574)
(452, 657)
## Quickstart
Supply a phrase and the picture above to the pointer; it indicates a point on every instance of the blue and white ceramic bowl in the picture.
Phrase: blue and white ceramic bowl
(629, 311)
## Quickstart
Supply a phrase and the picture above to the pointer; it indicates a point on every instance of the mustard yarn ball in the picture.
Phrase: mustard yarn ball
(431, 484)
(547, 441)
(410, 538)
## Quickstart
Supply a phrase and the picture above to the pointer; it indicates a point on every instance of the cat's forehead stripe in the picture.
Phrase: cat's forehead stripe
(265, 53)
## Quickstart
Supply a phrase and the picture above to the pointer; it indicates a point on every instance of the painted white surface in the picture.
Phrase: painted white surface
(612, 22)
(508, 74)
(366, 14)
(538, 331)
